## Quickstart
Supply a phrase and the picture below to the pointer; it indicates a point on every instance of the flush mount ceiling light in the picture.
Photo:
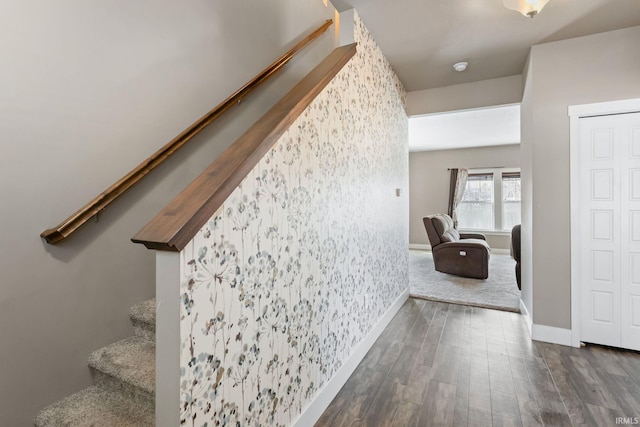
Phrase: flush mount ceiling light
(528, 8)
(460, 66)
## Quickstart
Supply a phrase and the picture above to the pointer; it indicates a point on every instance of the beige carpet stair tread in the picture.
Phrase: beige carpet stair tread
(131, 360)
(124, 378)
(95, 407)
(143, 319)
(144, 312)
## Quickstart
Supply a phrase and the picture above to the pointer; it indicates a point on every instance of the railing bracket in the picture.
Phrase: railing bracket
(84, 215)
(96, 217)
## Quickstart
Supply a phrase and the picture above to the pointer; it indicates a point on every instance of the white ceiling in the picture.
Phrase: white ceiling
(422, 39)
(463, 129)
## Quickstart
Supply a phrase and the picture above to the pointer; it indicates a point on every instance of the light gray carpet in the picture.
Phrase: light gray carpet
(499, 291)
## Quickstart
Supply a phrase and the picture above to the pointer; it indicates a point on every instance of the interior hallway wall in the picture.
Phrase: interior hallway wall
(303, 259)
(87, 91)
(596, 68)
(500, 91)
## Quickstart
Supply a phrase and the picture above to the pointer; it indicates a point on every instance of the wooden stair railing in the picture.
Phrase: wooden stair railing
(108, 196)
(175, 225)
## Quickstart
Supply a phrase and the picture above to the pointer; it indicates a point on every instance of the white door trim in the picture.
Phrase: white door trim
(576, 112)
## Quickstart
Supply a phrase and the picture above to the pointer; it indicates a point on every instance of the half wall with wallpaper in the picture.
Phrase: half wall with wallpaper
(286, 286)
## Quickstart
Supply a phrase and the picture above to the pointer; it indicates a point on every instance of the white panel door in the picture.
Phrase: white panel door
(609, 216)
(629, 128)
(600, 232)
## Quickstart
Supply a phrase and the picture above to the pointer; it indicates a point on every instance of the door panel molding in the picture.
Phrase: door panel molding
(601, 149)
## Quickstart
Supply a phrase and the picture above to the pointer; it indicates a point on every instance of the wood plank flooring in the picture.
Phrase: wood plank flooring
(440, 364)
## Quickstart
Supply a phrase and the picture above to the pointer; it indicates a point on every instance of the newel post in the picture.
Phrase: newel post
(168, 273)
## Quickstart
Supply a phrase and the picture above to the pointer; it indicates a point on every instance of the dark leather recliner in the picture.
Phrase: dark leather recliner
(461, 254)
(515, 251)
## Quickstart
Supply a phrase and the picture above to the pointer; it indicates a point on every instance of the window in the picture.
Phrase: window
(491, 200)
(510, 199)
(476, 208)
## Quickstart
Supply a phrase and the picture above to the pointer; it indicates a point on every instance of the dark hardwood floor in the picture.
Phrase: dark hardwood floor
(439, 364)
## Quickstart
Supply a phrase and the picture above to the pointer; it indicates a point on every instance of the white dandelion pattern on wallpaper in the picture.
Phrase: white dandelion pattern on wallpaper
(302, 259)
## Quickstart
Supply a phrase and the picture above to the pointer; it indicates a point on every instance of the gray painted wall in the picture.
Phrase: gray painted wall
(429, 183)
(596, 68)
(88, 91)
(504, 90)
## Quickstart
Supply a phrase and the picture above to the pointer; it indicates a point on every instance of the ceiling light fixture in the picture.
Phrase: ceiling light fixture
(460, 66)
(528, 8)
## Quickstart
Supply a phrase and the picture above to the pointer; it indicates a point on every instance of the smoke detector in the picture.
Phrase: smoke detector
(460, 66)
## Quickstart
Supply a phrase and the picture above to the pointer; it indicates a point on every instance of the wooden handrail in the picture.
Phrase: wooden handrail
(108, 196)
(175, 225)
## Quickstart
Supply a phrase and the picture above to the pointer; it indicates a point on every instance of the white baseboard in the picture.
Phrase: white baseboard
(419, 246)
(545, 333)
(527, 317)
(315, 409)
(551, 334)
(500, 251)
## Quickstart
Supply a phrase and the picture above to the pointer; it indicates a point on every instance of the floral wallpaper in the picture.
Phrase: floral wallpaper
(302, 259)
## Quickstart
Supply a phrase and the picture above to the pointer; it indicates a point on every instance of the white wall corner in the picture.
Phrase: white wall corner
(347, 31)
(551, 334)
(312, 413)
(526, 316)
(168, 338)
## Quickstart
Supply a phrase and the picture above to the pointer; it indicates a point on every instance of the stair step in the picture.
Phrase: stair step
(143, 318)
(127, 367)
(94, 406)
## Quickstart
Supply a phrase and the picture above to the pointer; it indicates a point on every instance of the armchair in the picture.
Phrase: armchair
(515, 251)
(461, 254)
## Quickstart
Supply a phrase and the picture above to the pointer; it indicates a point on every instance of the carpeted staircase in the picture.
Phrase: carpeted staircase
(124, 377)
